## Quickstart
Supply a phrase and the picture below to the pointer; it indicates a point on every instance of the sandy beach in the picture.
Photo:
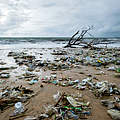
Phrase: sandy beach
(44, 91)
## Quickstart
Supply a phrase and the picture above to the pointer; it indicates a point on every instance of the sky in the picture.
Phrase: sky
(53, 18)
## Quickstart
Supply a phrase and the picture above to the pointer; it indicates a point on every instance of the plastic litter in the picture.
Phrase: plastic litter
(32, 82)
(115, 114)
(19, 108)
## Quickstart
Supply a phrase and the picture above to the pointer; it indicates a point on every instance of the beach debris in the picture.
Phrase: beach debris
(118, 70)
(100, 73)
(79, 40)
(67, 107)
(7, 68)
(117, 75)
(108, 103)
(113, 107)
(22, 58)
(112, 68)
(60, 52)
(19, 108)
(57, 96)
(4, 75)
(33, 82)
(2, 63)
(103, 88)
(13, 95)
(43, 116)
(2, 81)
(115, 114)
(31, 118)
(4, 68)
(18, 112)
(66, 61)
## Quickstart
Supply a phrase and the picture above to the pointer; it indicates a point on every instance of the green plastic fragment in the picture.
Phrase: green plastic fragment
(118, 70)
(76, 108)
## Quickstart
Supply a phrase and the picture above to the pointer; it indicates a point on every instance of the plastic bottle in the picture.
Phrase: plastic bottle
(19, 108)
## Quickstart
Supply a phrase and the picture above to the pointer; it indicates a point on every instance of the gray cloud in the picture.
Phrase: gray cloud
(59, 17)
(12, 16)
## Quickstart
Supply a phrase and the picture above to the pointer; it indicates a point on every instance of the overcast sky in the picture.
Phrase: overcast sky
(59, 17)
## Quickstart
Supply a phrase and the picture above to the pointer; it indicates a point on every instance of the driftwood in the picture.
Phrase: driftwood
(80, 39)
(62, 96)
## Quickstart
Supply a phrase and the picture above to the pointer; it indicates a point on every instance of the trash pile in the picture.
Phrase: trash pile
(73, 59)
(91, 57)
(22, 58)
(67, 107)
(99, 89)
(28, 75)
(103, 88)
(58, 66)
(113, 107)
(67, 60)
(64, 63)
(9, 96)
(100, 57)
(64, 81)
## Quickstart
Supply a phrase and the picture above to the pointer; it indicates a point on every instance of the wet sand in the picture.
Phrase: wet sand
(45, 94)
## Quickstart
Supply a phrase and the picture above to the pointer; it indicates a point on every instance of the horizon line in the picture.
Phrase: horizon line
(49, 37)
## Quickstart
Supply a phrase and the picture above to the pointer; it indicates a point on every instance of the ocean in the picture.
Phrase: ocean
(49, 42)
